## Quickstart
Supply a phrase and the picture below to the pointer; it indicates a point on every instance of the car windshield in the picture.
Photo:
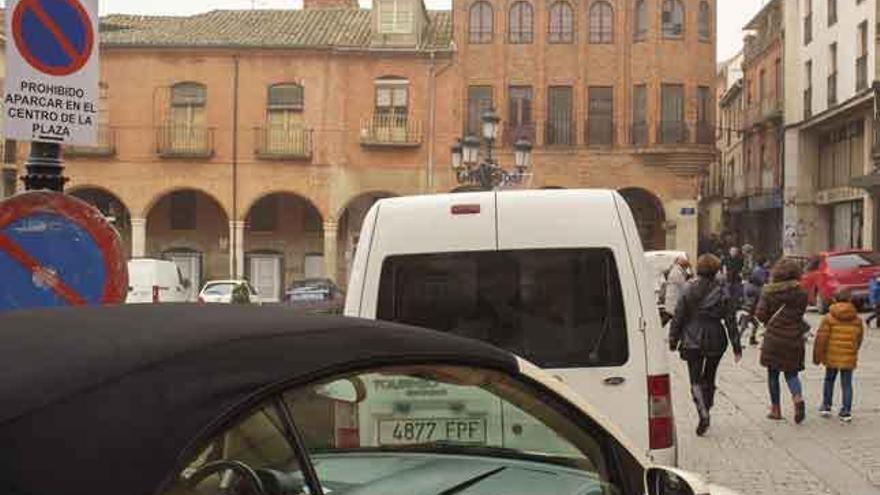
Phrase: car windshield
(219, 289)
(850, 261)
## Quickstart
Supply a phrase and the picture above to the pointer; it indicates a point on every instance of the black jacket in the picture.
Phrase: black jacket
(704, 320)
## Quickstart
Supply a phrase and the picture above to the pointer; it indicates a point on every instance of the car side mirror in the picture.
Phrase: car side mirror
(667, 481)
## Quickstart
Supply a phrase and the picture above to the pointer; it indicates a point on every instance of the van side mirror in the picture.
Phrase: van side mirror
(666, 481)
(186, 283)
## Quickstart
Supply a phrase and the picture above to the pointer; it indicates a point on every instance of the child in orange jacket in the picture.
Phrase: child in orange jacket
(837, 348)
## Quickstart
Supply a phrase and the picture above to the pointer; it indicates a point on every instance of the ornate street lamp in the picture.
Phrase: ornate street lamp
(473, 169)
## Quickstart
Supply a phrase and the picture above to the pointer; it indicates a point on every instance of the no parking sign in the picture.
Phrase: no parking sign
(56, 250)
(52, 71)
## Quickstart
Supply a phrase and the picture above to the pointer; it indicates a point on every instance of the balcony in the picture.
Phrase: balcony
(278, 143)
(514, 132)
(862, 73)
(104, 147)
(672, 132)
(600, 131)
(185, 141)
(559, 133)
(808, 103)
(391, 131)
(638, 134)
(832, 90)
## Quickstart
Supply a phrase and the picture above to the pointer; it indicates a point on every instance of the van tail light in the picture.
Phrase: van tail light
(201, 300)
(155, 294)
(661, 422)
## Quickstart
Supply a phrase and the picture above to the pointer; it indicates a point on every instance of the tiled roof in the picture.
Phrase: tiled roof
(314, 28)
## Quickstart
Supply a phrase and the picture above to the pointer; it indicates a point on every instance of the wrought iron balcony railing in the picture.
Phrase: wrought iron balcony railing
(278, 143)
(105, 145)
(391, 130)
(185, 141)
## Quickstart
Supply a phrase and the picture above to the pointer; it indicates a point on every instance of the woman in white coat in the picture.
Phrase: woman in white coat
(676, 280)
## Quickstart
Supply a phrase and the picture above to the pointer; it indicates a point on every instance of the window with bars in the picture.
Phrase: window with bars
(560, 124)
(601, 22)
(521, 23)
(600, 116)
(481, 25)
(673, 18)
(519, 115)
(672, 126)
(395, 16)
(561, 23)
(640, 21)
(392, 102)
(639, 131)
(479, 100)
(182, 212)
(705, 21)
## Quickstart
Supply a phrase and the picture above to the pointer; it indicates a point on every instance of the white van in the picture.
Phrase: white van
(155, 281)
(556, 276)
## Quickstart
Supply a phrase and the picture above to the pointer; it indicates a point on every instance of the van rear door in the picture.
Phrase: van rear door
(585, 299)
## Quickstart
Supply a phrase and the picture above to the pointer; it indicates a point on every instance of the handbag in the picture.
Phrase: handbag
(804, 326)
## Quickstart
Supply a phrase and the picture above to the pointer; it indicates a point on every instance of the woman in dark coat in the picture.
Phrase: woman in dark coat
(703, 325)
(781, 309)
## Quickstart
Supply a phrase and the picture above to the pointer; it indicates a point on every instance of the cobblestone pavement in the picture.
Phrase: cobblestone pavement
(748, 453)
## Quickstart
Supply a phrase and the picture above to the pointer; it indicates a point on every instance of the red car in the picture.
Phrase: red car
(830, 272)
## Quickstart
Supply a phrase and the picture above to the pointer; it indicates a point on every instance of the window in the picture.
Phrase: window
(392, 100)
(601, 23)
(808, 22)
(639, 130)
(832, 74)
(832, 12)
(673, 18)
(560, 308)
(640, 21)
(519, 118)
(520, 25)
(263, 216)
(672, 128)
(705, 132)
(777, 82)
(561, 27)
(705, 21)
(183, 210)
(762, 85)
(482, 23)
(479, 101)
(862, 58)
(188, 104)
(559, 116)
(808, 92)
(600, 116)
(395, 16)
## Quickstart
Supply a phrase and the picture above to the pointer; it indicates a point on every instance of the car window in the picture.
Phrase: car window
(559, 308)
(851, 260)
(219, 289)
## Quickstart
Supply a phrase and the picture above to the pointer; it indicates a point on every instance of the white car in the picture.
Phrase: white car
(555, 276)
(155, 281)
(220, 292)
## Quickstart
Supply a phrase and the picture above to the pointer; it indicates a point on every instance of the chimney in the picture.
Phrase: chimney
(330, 4)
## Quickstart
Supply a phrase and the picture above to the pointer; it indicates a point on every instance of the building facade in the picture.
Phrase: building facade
(829, 65)
(252, 143)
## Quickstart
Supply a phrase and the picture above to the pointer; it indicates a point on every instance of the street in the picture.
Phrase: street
(746, 452)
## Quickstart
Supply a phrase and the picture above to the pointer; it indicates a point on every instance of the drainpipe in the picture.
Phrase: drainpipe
(234, 234)
(433, 73)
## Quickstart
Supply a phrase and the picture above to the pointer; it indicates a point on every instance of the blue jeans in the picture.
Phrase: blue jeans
(791, 378)
(845, 384)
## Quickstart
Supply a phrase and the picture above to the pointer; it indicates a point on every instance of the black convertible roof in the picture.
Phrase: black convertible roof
(105, 400)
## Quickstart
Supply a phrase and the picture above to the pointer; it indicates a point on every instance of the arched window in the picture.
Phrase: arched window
(601, 22)
(673, 18)
(561, 23)
(705, 21)
(520, 25)
(640, 21)
(482, 23)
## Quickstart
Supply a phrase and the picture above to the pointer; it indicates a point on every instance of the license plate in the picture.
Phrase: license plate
(415, 431)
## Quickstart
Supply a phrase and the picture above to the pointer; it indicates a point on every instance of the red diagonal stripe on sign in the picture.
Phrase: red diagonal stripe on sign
(48, 277)
(46, 20)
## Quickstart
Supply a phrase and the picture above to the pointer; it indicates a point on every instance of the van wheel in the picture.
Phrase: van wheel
(821, 305)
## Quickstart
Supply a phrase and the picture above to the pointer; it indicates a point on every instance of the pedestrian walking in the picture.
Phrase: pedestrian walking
(676, 280)
(702, 326)
(837, 348)
(748, 256)
(751, 295)
(781, 309)
(733, 266)
(874, 302)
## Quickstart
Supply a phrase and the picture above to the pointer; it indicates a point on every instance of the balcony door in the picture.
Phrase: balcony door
(187, 129)
(519, 120)
(392, 110)
(285, 132)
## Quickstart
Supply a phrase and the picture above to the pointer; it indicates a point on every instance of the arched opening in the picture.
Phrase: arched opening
(350, 222)
(649, 215)
(283, 242)
(112, 207)
(190, 228)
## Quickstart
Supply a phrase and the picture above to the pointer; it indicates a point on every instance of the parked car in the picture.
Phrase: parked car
(315, 295)
(659, 263)
(529, 271)
(220, 291)
(244, 401)
(830, 272)
(155, 281)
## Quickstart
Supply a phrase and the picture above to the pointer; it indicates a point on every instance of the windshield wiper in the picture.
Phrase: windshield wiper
(471, 482)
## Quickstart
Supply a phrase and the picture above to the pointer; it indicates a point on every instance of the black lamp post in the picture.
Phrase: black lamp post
(487, 173)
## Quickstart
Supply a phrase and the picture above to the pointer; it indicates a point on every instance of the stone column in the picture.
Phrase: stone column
(331, 252)
(683, 215)
(236, 249)
(138, 237)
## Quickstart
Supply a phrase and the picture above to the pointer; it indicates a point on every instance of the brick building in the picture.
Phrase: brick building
(253, 142)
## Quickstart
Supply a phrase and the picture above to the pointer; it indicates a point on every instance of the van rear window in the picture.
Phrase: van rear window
(559, 308)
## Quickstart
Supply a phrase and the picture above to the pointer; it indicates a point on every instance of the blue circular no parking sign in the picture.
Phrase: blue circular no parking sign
(54, 36)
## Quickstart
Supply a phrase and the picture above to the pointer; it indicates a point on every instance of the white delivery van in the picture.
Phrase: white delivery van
(556, 276)
(155, 281)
